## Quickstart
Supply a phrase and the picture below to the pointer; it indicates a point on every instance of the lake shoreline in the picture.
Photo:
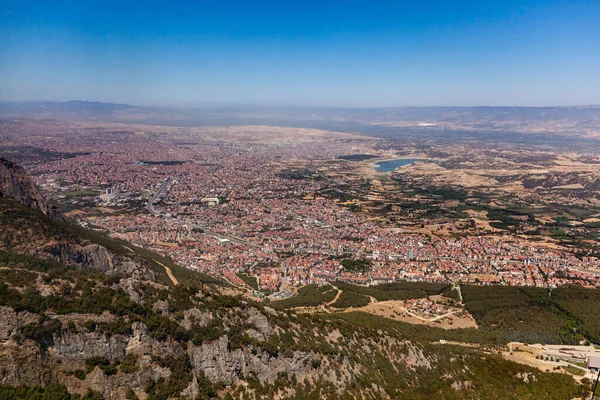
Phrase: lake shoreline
(386, 166)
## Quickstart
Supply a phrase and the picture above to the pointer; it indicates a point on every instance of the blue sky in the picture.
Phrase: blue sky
(304, 52)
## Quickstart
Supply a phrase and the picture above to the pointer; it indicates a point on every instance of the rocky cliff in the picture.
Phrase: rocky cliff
(96, 257)
(16, 184)
(195, 343)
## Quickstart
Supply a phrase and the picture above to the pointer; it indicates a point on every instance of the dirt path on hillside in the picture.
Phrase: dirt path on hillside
(169, 272)
(337, 296)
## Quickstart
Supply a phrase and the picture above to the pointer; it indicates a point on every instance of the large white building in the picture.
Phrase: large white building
(209, 201)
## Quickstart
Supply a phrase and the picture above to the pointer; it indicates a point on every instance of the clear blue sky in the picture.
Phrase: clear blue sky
(302, 52)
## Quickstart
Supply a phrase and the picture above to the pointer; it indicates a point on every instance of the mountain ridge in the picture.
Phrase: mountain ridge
(96, 108)
(487, 122)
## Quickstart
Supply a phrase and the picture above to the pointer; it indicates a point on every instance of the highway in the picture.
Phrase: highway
(160, 192)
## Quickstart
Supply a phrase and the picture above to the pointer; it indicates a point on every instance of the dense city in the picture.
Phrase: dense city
(226, 201)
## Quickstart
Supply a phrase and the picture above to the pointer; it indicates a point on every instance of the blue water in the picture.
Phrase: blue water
(388, 166)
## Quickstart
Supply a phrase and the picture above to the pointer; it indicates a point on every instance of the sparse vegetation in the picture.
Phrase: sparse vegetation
(250, 280)
(308, 296)
(396, 291)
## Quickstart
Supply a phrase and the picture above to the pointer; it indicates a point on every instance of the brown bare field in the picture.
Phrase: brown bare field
(525, 354)
(245, 133)
(276, 134)
(394, 309)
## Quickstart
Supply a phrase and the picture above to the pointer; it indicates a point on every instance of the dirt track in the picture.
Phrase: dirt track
(169, 272)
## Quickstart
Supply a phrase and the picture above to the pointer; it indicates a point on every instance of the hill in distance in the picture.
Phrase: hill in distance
(575, 121)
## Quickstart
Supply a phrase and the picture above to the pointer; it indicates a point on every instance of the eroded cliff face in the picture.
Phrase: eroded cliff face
(55, 240)
(16, 184)
(24, 362)
(124, 337)
(96, 257)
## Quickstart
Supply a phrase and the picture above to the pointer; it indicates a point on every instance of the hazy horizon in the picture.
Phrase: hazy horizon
(283, 105)
(343, 54)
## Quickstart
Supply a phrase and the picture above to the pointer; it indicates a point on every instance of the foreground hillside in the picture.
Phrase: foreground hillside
(74, 323)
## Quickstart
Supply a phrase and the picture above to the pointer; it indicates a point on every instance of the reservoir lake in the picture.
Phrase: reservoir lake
(390, 165)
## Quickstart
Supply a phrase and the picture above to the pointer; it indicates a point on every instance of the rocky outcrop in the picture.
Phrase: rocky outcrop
(16, 184)
(70, 347)
(195, 317)
(119, 386)
(185, 368)
(141, 343)
(260, 321)
(69, 350)
(11, 321)
(97, 257)
(219, 364)
(23, 364)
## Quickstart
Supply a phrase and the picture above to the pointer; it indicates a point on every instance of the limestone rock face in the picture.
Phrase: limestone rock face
(141, 343)
(97, 257)
(194, 316)
(219, 364)
(260, 321)
(10, 321)
(215, 360)
(85, 345)
(16, 184)
(23, 364)
(118, 386)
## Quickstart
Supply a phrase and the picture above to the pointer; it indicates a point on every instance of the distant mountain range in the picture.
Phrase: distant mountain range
(581, 121)
(79, 110)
